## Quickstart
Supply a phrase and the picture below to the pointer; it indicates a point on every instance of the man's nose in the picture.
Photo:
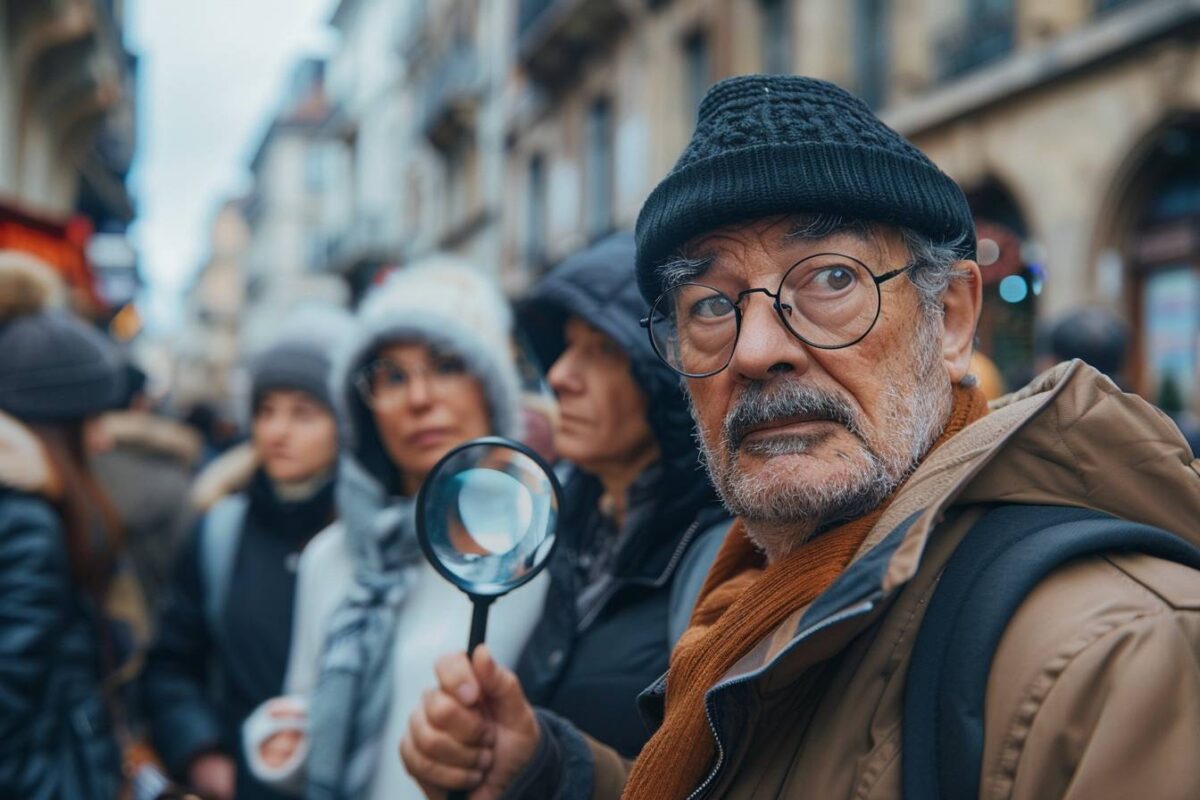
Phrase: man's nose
(765, 347)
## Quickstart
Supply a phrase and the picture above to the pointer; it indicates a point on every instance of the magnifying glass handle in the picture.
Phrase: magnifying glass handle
(479, 621)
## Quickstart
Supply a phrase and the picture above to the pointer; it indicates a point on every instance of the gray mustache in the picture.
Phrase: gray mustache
(757, 407)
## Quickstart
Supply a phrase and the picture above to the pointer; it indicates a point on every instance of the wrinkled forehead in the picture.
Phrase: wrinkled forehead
(766, 246)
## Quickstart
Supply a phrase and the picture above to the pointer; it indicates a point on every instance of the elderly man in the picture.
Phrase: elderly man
(812, 279)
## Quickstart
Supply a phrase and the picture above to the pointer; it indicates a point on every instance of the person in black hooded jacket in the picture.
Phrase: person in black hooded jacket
(640, 524)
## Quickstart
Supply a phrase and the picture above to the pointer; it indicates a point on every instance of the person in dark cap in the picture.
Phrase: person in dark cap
(920, 597)
(59, 546)
(224, 635)
(1095, 335)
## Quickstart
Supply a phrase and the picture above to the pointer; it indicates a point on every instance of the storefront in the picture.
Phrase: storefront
(62, 245)
(1012, 281)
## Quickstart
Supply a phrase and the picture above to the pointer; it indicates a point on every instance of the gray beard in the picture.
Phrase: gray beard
(781, 513)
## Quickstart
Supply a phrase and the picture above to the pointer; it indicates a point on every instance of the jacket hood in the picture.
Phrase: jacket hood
(1071, 437)
(152, 433)
(24, 466)
(598, 286)
(226, 474)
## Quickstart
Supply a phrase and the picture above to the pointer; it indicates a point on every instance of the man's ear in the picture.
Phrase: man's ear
(961, 305)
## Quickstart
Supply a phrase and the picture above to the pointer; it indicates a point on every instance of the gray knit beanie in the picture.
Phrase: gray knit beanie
(782, 144)
(450, 305)
(302, 354)
(53, 366)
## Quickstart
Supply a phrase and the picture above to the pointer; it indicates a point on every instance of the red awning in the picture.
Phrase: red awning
(59, 243)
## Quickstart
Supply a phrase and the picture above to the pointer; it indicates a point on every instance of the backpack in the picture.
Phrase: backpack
(220, 535)
(1001, 559)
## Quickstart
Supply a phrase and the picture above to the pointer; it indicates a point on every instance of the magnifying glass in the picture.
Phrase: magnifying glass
(487, 520)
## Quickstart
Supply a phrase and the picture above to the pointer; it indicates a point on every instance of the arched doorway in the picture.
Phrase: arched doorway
(1012, 280)
(1164, 269)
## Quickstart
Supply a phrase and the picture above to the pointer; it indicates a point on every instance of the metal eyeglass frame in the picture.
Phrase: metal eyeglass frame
(362, 379)
(879, 280)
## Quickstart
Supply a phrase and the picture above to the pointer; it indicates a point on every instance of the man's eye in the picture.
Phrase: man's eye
(712, 307)
(835, 279)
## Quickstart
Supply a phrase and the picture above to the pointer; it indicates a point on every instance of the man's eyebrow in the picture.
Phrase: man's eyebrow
(681, 269)
(814, 227)
(802, 228)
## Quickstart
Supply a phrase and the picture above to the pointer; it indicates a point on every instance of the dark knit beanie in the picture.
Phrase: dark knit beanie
(781, 144)
(295, 364)
(53, 366)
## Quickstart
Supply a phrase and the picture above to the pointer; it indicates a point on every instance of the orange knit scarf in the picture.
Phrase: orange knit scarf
(743, 601)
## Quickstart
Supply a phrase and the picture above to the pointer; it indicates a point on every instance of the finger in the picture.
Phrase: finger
(427, 771)
(447, 713)
(284, 707)
(456, 677)
(506, 699)
(444, 749)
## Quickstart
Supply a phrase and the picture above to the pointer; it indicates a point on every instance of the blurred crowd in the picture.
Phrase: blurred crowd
(177, 580)
(154, 568)
(190, 609)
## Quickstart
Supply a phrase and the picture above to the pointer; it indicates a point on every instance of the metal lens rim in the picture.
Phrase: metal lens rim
(422, 503)
(664, 297)
(878, 303)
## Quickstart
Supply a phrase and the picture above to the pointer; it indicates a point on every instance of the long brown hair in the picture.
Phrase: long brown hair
(93, 532)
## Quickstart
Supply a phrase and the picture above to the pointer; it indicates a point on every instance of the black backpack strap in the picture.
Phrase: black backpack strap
(1001, 559)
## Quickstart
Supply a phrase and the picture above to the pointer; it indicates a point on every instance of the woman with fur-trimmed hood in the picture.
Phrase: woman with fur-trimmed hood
(58, 547)
(430, 367)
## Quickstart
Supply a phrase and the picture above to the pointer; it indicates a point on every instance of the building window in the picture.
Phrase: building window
(987, 36)
(455, 184)
(776, 36)
(1166, 265)
(871, 51)
(599, 168)
(697, 69)
(314, 168)
(535, 214)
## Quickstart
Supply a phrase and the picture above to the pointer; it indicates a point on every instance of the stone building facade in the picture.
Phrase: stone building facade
(515, 132)
(66, 143)
(1073, 125)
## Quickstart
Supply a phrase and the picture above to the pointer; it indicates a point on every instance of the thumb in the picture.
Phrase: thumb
(506, 699)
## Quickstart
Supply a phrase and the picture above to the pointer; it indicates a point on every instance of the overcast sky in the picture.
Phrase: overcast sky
(211, 73)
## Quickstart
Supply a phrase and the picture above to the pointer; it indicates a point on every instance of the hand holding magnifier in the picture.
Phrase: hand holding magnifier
(487, 520)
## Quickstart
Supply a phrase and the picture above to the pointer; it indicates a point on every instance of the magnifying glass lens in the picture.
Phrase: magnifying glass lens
(488, 515)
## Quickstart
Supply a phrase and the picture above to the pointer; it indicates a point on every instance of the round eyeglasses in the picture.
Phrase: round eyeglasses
(383, 383)
(828, 301)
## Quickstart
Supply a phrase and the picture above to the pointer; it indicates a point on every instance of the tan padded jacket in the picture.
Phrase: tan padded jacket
(1094, 691)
